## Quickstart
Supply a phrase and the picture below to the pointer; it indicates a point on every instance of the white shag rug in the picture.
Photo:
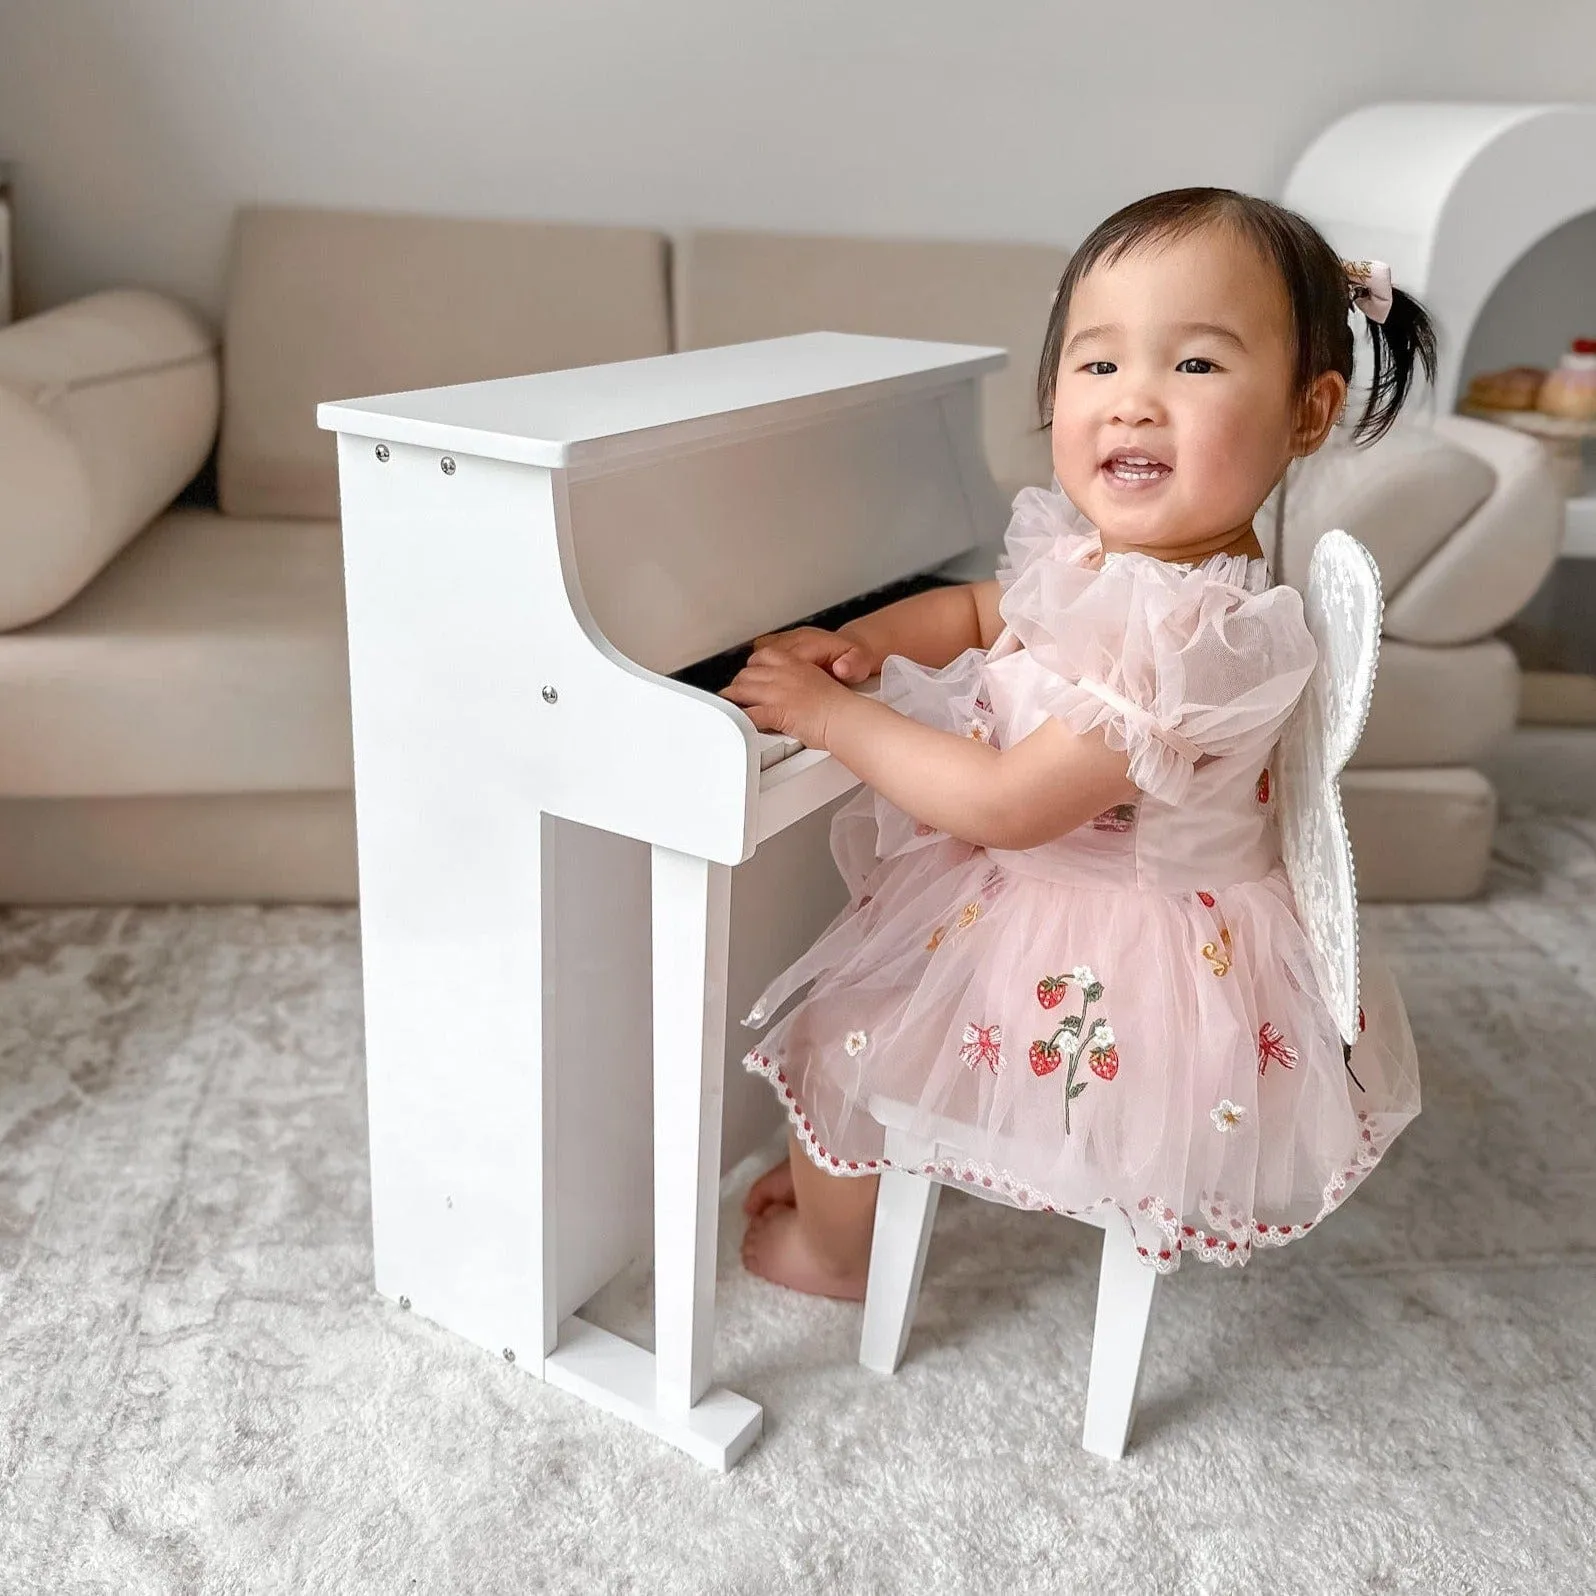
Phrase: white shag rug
(199, 1391)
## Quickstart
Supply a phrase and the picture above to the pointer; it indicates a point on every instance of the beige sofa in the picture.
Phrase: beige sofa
(173, 711)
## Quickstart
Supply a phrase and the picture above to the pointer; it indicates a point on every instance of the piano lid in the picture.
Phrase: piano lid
(592, 417)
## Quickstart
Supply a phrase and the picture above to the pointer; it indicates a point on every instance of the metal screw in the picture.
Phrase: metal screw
(447, 462)
(509, 1355)
(382, 453)
(551, 695)
(404, 1302)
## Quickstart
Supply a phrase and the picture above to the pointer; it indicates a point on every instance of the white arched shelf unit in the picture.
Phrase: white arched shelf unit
(1451, 195)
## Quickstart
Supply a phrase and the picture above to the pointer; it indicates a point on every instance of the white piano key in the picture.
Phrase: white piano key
(774, 748)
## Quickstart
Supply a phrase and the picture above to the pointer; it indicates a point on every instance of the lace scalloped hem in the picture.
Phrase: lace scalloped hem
(1162, 1237)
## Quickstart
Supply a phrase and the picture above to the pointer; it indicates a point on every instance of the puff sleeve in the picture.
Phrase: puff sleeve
(1176, 664)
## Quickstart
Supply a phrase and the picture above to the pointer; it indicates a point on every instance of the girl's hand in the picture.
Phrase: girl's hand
(846, 658)
(782, 692)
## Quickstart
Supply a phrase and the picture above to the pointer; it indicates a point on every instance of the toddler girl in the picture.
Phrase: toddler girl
(1071, 948)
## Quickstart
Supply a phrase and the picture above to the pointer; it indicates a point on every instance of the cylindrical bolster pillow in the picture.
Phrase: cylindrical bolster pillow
(108, 407)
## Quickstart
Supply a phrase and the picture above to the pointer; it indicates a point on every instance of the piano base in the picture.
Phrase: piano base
(622, 1379)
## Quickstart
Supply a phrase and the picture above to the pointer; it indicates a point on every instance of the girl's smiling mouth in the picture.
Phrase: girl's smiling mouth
(1135, 470)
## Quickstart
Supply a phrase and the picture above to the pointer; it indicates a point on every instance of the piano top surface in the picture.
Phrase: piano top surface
(592, 417)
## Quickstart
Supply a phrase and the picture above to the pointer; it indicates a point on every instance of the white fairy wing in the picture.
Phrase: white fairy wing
(1343, 607)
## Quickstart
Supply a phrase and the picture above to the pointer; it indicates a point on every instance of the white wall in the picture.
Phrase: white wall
(138, 125)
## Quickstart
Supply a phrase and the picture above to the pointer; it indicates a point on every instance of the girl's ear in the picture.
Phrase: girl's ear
(1318, 411)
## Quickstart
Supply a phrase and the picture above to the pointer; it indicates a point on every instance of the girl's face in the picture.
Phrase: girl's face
(1173, 412)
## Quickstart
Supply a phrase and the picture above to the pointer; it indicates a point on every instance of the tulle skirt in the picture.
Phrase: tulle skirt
(1075, 1049)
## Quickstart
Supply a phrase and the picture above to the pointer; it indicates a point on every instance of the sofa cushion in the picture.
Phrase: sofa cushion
(209, 657)
(107, 409)
(339, 305)
(734, 286)
(1402, 497)
(1419, 835)
(1490, 568)
(281, 847)
(1438, 706)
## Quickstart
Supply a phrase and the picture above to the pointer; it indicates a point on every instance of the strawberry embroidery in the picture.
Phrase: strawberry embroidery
(1045, 1058)
(1206, 899)
(1074, 1036)
(1050, 990)
(1118, 819)
(1263, 786)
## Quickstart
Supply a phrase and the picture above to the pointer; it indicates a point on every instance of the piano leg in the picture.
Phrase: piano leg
(668, 1392)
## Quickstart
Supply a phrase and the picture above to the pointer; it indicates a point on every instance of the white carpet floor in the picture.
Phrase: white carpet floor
(199, 1392)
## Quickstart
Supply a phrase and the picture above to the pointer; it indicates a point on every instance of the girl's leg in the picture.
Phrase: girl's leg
(822, 1245)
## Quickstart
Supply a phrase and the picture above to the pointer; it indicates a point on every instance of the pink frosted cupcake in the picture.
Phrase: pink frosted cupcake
(1570, 390)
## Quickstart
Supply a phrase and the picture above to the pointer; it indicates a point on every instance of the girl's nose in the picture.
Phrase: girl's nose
(1136, 402)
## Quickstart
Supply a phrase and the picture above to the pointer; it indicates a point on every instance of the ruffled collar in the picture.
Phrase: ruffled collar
(1046, 516)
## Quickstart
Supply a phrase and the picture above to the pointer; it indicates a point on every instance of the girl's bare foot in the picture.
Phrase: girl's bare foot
(776, 1248)
(773, 1189)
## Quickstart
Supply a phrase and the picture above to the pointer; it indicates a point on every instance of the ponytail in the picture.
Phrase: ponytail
(1401, 343)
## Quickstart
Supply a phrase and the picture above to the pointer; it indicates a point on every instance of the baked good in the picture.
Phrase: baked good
(1570, 390)
(1517, 388)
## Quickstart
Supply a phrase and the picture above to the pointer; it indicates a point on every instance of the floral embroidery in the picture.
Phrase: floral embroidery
(991, 882)
(1263, 786)
(936, 939)
(1206, 899)
(978, 731)
(855, 1043)
(1218, 953)
(1272, 1049)
(982, 1044)
(968, 916)
(984, 704)
(1118, 819)
(1073, 1035)
(1227, 1116)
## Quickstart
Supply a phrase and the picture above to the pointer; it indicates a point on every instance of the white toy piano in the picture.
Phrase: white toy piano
(575, 858)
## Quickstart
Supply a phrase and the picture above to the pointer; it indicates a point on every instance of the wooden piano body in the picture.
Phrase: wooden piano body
(572, 866)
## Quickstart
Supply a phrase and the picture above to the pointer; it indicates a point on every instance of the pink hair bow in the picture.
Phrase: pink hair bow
(1370, 282)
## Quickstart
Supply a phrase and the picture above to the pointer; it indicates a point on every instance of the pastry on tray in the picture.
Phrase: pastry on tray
(1517, 388)
(1570, 390)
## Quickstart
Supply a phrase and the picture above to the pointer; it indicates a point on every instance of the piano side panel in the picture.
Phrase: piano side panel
(598, 944)
(782, 898)
(684, 557)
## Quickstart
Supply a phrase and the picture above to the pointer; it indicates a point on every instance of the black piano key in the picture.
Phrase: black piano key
(716, 672)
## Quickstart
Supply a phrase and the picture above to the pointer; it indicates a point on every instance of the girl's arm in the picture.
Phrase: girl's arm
(1044, 786)
(1047, 784)
(930, 628)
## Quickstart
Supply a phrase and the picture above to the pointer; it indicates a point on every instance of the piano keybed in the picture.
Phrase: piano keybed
(712, 674)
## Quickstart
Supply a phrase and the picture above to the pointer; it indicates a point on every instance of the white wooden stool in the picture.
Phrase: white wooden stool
(906, 1207)
(1342, 604)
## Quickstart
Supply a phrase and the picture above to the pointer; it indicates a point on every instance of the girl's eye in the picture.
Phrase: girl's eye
(1196, 360)
(1091, 363)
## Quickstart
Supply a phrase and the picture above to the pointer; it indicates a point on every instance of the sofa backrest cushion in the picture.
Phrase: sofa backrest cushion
(1402, 498)
(329, 304)
(733, 286)
(107, 409)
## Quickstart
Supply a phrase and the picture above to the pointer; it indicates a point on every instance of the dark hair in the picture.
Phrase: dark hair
(1316, 283)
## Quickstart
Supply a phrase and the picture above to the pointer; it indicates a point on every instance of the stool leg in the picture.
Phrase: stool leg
(1124, 1305)
(906, 1209)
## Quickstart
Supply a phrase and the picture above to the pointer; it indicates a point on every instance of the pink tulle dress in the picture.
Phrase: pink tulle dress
(1127, 1016)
